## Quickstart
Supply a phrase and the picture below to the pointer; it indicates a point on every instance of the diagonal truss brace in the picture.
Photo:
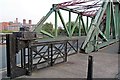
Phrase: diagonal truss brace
(91, 42)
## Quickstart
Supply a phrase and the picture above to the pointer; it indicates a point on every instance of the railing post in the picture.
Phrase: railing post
(11, 54)
(77, 46)
(51, 46)
(65, 50)
(12, 69)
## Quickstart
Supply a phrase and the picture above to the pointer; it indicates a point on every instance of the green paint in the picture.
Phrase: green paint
(114, 20)
(69, 27)
(108, 20)
(73, 28)
(91, 42)
(117, 18)
(56, 31)
(83, 24)
(87, 22)
(46, 33)
(79, 27)
(91, 34)
(62, 20)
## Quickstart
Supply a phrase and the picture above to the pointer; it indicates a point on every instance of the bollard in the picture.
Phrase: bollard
(90, 68)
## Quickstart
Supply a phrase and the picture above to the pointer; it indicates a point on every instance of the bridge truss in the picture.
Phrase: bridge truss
(102, 26)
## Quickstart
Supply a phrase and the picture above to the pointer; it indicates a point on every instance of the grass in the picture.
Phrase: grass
(6, 31)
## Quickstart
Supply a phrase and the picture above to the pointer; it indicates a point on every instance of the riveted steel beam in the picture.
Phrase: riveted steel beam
(117, 18)
(56, 31)
(46, 33)
(108, 20)
(69, 24)
(79, 27)
(114, 20)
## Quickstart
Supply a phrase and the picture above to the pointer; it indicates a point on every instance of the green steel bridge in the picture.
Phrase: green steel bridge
(101, 26)
(98, 18)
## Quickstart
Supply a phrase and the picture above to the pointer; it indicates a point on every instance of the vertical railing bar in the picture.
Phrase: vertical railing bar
(24, 57)
(22, 64)
(8, 55)
(77, 46)
(66, 51)
(51, 46)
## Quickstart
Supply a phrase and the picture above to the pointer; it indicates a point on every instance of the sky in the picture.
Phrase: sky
(25, 9)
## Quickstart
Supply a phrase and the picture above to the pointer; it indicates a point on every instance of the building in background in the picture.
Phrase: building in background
(16, 25)
(4, 26)
(0, 26)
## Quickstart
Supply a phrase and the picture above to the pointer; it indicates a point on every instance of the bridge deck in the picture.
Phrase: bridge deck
(105, 65)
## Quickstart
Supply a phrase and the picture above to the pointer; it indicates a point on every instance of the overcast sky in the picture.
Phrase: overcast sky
(25, 9)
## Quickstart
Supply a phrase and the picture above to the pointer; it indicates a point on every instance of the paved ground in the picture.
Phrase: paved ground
(105, 65)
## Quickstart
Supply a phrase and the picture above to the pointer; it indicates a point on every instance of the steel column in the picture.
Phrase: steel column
(69, 24)
(87, 23)
(114, 18)
(108, 20)
(119, 22)
(79, 26)
(55, 10)
(117, 18)
(83, 24)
